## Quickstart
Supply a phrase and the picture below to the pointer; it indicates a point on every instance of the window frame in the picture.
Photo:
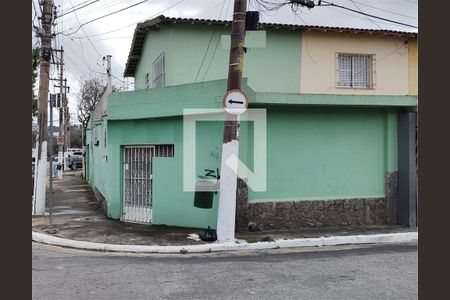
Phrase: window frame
(147, 80)
(371, 76)
(159, 76)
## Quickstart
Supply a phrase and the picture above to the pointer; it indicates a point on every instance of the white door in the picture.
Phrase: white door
(137, 183)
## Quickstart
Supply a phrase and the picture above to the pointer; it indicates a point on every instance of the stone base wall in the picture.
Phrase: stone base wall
(317, 213)
(101, 201)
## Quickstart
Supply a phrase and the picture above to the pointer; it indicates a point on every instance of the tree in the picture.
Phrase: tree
(75, 137)
(91, 91)
(34, 65)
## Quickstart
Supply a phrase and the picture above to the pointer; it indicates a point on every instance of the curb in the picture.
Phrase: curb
(229, 246)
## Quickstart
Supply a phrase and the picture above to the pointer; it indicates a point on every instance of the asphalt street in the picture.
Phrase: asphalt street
(344, 272)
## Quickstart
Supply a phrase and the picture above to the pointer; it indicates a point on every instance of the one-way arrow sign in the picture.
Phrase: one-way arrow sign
(232, 101)
(235, 102)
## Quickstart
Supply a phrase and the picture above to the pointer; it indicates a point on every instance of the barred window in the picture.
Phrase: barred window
(159, 71)
(147, 80)
(355, 70)
(164, 150)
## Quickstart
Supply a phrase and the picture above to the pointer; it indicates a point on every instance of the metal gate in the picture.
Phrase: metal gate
(137, 183)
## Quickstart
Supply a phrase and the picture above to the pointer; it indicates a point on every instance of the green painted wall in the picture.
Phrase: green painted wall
(186, 45)
(97, 155)
(171, 205)
(326, 153)
(157, 41)
(314, 152)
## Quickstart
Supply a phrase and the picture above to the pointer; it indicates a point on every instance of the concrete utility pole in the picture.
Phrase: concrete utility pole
(230, 147)
(64, 89)
(44, 67)
(61, 114)
(108, 72)
(50, 194)
(66, 120)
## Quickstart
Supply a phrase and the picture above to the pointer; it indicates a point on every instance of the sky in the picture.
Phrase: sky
(85, 47)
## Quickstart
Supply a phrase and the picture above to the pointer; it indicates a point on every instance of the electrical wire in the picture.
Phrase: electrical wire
(362, 18)
(97, 9)
(370, 20)
(363, 13)
(74, 6)
(104, 16)
(209, 9)
(73, 10)
(92, 44)
(217, 44)
(134, 24)
(385, 10)
(209, 44)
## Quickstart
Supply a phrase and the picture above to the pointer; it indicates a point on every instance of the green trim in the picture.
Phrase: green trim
(170, 101)
(332, 99)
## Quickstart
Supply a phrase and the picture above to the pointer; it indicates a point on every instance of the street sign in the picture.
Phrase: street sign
(235, 102)
(60, 141)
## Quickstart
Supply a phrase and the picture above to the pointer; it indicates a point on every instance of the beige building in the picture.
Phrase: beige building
(358, 62)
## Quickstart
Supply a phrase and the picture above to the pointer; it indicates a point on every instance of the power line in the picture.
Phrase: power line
(209, 9)
(365, 14)
(92, 44)
(217, 44)
(362, 18)
(370, 20)
(73, 6)
(157, 14)
(209, 44)
(385, 10)
(104, 16)
(73, 10)
(98, 9)
(115, 38)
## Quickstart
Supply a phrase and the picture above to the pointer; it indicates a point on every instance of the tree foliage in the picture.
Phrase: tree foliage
(91, 91)
(34, 66)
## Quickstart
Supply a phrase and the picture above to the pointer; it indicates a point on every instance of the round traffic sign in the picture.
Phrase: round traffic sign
(235, 102)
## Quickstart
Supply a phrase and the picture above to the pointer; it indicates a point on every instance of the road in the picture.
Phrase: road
(345, 272)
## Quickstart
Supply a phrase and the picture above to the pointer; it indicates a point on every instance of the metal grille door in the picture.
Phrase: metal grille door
(137, 185)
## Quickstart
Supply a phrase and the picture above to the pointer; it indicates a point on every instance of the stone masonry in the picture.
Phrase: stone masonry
(317, 213)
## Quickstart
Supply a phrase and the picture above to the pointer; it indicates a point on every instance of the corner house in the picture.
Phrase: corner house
(340, 110)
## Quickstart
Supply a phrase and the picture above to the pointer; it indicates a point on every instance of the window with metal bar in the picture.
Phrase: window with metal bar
(355, 70)
(159, 71)
(164, 150)
(147, 80)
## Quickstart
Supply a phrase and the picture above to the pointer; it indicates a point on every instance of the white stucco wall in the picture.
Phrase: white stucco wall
(318, 67)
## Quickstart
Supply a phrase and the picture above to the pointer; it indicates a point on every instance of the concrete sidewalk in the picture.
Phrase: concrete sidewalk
(77, 216)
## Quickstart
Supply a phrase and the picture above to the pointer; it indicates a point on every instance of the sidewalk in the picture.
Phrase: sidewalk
(78, 217)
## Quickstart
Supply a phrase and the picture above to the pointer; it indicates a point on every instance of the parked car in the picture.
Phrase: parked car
(75, 160)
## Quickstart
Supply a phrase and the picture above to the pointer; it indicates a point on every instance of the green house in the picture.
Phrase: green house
(334, 101)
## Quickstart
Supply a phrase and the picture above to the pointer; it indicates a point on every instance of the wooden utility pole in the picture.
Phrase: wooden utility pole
(230, 147)
(44, 68)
